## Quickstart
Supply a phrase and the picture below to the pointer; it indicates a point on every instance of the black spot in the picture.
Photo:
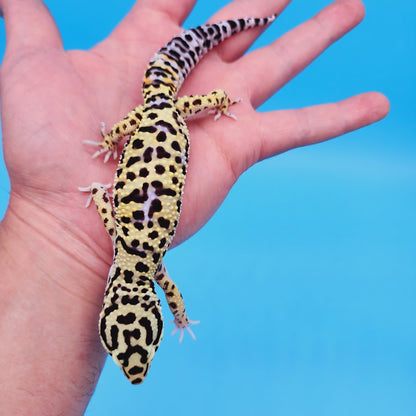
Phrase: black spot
(161, 137)
(139, 226)
(135, 243)
(175, 146)
(113, 307)
(147, 246)
(153, 235)
(131, 249)
(137, 380)
(127, 300)
(146, 324)
(119, 185)
(128, 276)
(136, 195)
(131, 176)
(165, 191)
(157, 184)
(164, 104)
(160, 169)
(136, 370)
(137, 144)
(162, 242)
(135, 333)
(141, 267)
(155, 206)
(152, 116)
(167, 125)
(133, 160)
(126, 319)
(147, 155)
(159, 321)
(172, 169)
(162, 153)
(126, 220)
(197, 102)
(148, 129)
(163, 222)
(133, 122)
(114, 335)
(143, 172)
(138, 215)
(173, 305)
(175, 180)
(178, 159)
(156, 257)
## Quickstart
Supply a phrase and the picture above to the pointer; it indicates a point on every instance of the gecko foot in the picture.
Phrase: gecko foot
(92, 189)
(224, 110)
(108, 152)
(181, 326)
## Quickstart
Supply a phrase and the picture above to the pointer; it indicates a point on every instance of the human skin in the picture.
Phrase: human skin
(55, 254)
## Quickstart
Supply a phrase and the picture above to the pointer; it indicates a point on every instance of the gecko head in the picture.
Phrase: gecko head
(131, 327)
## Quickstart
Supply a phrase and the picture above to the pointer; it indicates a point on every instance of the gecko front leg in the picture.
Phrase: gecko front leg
(123, 128)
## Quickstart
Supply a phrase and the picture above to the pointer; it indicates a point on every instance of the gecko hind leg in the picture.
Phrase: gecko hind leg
(217, 102)
(175, 302)
(101, 197)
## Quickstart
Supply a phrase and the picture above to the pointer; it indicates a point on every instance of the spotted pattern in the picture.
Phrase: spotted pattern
(148, 188)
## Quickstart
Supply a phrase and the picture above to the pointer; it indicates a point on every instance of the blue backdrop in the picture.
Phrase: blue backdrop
(308, 308)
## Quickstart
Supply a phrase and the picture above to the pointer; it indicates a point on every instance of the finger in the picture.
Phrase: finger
(29, 25)
(155, 21)
(295, 50)
(283, 130)
(177, 12)
(146, 15)
(232, 49)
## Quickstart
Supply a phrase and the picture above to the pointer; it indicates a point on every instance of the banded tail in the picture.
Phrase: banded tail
(172, 63)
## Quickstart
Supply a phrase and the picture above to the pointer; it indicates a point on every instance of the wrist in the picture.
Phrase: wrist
(50, 353)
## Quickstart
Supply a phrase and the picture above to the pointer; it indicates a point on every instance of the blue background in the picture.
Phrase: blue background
(306, 293)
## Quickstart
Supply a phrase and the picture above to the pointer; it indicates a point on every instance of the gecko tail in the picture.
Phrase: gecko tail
(172, 63)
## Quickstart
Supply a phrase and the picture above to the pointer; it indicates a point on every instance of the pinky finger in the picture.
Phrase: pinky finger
(287, 129)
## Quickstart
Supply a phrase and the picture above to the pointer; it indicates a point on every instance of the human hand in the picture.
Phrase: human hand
(54, 99)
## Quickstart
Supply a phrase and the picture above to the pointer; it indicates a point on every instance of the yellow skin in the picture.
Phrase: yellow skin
(67, 252)
(147, 199)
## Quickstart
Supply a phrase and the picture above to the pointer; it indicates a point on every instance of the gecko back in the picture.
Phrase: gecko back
(147, 199)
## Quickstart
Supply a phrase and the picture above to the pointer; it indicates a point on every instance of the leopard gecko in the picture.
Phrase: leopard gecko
(147, 194)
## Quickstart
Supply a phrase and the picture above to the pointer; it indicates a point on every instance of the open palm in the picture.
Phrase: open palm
(53, 99)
